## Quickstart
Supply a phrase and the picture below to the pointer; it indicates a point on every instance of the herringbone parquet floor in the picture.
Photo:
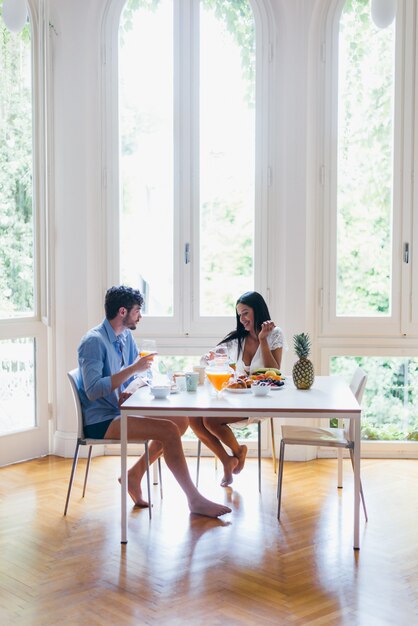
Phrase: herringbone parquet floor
(182, 570)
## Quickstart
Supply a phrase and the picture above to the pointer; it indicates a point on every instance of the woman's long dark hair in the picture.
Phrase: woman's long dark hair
(261, 314)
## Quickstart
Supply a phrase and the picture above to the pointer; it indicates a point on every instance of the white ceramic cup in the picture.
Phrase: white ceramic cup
(200, 369)
(192, 380)
(180, 381)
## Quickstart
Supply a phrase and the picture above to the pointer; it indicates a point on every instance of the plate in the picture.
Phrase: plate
(274, 388)
(247, 390)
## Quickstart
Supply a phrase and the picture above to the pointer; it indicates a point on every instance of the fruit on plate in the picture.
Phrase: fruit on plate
(303, 370)
(265, 370)
(272, 380)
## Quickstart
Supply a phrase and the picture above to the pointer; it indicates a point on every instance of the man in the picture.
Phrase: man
(108, 359)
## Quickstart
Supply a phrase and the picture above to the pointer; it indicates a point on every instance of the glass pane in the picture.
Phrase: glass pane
(227, 154)
(365, 164)
(390, 401)
(146, 152)
(17, 385)
(16, 213)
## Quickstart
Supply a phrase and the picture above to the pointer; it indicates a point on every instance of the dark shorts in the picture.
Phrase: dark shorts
(98, 430)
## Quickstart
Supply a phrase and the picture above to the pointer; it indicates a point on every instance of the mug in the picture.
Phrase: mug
(200, 369)
(192, 380)
(180, 381)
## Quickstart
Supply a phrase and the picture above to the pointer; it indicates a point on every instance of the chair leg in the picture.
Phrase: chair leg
(280, 478)
(87, 470)
(199, 450)
(148, 479)
(273, 445)
(259, 455)
(70, 484)
(160, 477)
(361, 486)
(154, 474)
(340, 467)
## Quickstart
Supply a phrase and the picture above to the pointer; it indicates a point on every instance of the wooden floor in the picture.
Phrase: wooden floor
(185, 570)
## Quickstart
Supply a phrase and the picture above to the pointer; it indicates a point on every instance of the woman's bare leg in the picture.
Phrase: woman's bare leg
(229, 462)
(220, 429)
(168, 434)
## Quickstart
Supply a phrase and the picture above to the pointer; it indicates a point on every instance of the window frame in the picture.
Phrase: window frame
(186, 332)
(34, 441)
(363, 337)
(378, 448)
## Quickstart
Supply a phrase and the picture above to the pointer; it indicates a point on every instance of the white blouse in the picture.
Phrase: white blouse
(275, 340)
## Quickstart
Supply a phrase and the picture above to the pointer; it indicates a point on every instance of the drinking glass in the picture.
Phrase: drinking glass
(146, 347)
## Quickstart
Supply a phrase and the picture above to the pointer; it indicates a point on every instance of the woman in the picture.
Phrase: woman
(255, 343)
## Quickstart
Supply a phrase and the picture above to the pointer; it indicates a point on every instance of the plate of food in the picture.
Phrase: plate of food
(272, 377)
(238, 389)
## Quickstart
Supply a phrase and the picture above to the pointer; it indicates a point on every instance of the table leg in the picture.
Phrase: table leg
(124, 475)
(273, 446)
(340, 459)
(357, 441)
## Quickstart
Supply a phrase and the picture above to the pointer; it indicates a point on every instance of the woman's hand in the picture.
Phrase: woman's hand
(266, 328)
(209, 356)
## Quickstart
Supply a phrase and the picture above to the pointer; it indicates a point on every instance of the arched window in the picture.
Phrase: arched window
(187, 163)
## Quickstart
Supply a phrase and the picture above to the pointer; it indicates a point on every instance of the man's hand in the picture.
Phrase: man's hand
(142, 363)
(124, 395)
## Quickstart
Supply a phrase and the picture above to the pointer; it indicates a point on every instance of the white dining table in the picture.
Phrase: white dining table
(330, 397)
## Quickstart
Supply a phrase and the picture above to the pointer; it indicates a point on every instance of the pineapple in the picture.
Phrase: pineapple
(303, 371)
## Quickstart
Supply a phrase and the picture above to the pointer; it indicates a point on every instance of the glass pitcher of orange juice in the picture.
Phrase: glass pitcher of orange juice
(218, 372)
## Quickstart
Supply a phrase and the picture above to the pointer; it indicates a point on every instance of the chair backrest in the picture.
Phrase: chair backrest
(74, 378)
(357, 386)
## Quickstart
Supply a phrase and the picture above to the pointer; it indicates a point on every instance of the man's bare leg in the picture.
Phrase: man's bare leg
(168, 434)
(137, 471)
(229, 462)
(221, 430)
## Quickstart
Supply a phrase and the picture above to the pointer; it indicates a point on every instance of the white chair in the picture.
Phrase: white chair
(330, 437)
(74, 378)
(239, 425)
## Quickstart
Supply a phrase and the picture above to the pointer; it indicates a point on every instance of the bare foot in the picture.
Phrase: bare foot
(134, 490)
(229, 467)
(241, 460)
(201, 506)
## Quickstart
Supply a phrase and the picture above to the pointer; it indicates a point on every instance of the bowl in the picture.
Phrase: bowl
(260, 390)
(160, 391)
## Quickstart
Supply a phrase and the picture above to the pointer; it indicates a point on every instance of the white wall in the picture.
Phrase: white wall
(77, 241)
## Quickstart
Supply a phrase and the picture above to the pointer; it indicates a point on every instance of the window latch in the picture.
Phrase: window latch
(406, 252)
(187, 253)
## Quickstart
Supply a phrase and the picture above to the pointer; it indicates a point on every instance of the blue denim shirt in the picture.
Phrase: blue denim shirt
(99, 357)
